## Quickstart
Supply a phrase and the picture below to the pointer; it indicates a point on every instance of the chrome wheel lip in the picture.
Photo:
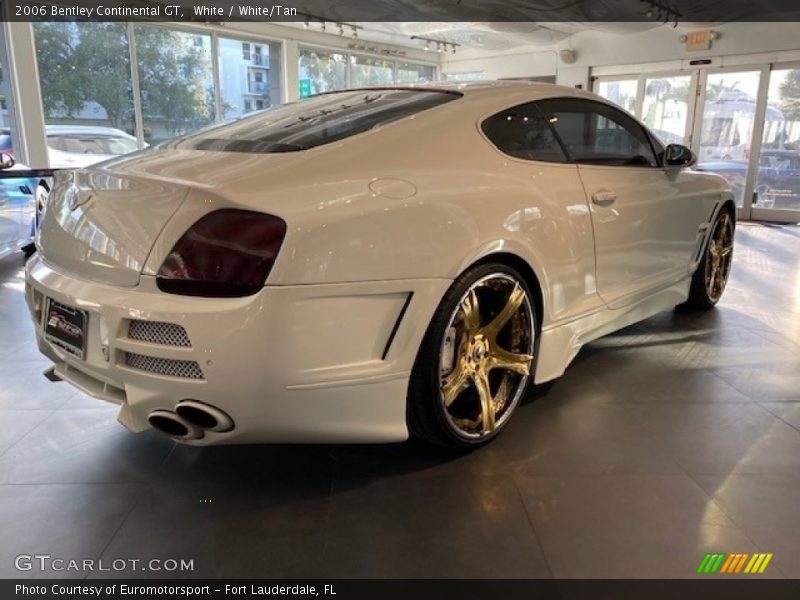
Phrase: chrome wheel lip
(716, 275)
(509, 409)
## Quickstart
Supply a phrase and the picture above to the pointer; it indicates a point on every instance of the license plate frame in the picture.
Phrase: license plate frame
(65, 326)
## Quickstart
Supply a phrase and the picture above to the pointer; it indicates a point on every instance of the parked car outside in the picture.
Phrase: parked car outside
(78, 146)
(777, 183)
(17, 209)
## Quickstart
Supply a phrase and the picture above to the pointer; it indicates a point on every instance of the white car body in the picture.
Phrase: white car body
(78, 146)
(378, 227)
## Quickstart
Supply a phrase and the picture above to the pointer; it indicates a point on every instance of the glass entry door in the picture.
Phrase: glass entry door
(777, 181)
(667, 105)
(726, 126)
(742, 122)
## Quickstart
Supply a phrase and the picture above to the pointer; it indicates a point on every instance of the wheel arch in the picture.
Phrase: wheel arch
(528, 273)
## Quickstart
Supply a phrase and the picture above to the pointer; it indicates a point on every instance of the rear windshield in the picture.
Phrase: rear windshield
(315, 121)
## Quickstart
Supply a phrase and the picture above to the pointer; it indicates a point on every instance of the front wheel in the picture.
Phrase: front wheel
(476, 359)
(711, 276)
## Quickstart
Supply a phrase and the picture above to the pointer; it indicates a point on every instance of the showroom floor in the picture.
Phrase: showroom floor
(673, 438)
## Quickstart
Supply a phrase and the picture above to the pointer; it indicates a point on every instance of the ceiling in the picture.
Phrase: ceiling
(490, 36)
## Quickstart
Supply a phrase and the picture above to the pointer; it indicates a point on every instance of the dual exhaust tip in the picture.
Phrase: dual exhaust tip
(190, 420)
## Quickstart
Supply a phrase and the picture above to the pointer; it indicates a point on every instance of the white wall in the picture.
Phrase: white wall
(597, 49)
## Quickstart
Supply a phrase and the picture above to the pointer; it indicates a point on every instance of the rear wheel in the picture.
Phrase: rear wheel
(711, 276)
(476, 359)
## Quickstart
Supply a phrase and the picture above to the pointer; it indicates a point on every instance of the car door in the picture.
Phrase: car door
(645, 218)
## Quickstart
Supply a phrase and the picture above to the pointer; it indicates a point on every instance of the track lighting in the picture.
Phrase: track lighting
(441, 45)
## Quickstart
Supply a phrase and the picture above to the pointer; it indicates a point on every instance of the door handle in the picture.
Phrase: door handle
(604, 198)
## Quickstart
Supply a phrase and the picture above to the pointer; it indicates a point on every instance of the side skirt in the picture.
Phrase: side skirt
(560, 343)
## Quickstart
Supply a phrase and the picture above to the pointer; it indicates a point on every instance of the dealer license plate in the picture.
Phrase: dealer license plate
(65, 326)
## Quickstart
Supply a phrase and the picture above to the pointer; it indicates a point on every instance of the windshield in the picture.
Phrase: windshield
(91, 144)
(315, 121)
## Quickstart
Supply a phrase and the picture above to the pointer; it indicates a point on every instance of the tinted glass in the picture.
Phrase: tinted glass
(316, 121)
(595, 133)
(523, 132)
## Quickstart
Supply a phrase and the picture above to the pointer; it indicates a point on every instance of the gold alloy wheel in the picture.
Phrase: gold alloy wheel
(720, 255)
(486, 355)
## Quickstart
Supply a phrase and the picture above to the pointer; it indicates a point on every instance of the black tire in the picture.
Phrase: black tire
(702, 294)
(428, 417)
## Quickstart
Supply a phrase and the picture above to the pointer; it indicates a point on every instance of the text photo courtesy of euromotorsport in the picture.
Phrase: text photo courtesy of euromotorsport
(124, 589)
(175, 11)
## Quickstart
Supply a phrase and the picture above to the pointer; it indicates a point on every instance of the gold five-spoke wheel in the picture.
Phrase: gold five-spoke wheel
(486, 355)
(720, 255)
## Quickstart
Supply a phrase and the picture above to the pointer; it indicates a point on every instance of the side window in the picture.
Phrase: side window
(523, 132)
(598, 134)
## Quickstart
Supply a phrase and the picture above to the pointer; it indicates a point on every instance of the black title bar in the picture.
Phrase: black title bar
(667, 11)
(711, 588)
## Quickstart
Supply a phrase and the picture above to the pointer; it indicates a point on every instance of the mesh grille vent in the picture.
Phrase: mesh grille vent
(158, 332)
(184, 369)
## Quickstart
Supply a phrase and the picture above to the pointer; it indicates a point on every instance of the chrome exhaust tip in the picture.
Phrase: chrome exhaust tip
(170, 424)
(204, 416)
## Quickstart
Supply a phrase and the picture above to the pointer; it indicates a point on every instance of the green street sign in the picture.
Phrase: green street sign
(305, 87)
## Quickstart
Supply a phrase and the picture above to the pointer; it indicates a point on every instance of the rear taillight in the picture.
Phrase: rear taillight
(227, 253)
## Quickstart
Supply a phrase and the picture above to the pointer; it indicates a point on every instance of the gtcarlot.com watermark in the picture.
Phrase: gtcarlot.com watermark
(46, 562)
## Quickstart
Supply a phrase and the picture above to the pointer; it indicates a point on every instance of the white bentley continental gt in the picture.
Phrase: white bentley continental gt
(369, 264)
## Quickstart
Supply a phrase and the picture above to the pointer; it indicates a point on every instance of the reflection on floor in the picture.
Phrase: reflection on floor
(673, 438)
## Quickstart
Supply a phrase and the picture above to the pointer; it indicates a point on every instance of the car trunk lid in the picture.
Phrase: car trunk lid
(100, 225)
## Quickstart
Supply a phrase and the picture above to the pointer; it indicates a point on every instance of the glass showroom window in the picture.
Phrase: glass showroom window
(665, 107)
(621, 92)
(85, 79)
(321, 71)
(778, 178)
(371, 71)
(249, 76)
(175, 81)
(411, 73)
(465, 76)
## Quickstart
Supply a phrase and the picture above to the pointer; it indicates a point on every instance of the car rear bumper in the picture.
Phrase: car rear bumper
(312, 363)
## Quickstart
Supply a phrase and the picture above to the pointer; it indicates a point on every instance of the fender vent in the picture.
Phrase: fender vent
(159, 332)
(183, 369)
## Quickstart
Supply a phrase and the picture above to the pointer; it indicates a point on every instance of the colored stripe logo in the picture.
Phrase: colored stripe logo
(741, 562)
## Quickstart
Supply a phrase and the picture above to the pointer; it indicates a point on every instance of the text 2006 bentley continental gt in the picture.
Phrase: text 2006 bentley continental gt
(365, 265)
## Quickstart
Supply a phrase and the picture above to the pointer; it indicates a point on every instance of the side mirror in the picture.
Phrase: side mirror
(677, 155)
(6, 161)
